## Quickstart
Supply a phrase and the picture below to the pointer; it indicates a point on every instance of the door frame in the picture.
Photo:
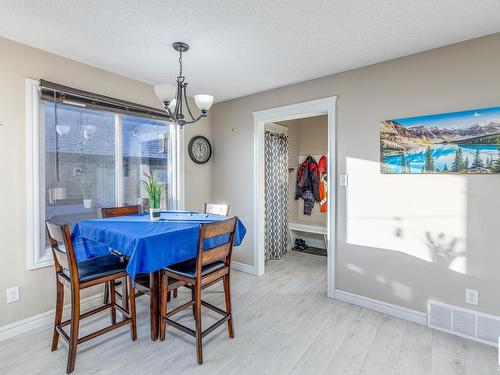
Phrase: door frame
(325, 106)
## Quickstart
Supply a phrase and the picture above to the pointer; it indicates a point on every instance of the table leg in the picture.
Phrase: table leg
(154, 304)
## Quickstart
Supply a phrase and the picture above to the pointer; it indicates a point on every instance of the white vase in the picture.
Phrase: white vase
(87, 203)
(154, 214)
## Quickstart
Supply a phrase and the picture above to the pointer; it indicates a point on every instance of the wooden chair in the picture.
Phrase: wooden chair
(112, 212)
(77, 276)
(120, 211)
(210, 266)
(217, 209)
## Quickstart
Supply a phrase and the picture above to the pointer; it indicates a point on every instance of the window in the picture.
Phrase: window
(82, 159)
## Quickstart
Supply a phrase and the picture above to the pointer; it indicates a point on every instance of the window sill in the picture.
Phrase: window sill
(42, 263)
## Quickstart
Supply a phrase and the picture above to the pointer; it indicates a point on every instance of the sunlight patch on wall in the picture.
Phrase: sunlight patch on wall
(355, 268)
(423, 216)
(402, 291)
(459, 264)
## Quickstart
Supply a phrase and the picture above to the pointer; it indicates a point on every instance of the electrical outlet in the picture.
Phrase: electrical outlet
(471, 297)
(343, 180)
(13, 294)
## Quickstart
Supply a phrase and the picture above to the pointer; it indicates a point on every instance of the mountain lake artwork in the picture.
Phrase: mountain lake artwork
(458, 142)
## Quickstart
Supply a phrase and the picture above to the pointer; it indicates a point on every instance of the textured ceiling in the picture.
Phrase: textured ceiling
(242, 47)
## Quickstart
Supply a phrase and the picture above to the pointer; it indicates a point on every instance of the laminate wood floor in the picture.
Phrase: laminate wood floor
(284, 324)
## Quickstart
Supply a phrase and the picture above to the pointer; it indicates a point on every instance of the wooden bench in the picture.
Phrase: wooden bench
(308, 227)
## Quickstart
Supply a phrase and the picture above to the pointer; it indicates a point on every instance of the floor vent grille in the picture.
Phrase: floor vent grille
(466, 323)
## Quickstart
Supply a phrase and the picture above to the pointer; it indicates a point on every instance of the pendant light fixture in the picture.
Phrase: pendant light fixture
(175, 100)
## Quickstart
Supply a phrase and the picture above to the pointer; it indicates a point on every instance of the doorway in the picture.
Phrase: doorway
(298, 111)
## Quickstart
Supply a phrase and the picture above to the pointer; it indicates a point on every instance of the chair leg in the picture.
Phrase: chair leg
(133, 325)
(175, 292)
(199, 343)
(58, 315)
(112, 295)
(193, 298)
(227, 295)
(73, 334)
(164, 299)
(125, 292)
(105, 298)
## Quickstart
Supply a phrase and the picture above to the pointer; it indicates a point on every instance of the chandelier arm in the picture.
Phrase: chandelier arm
(187, 104)
(196, 119)
(178, 103)
(170, 114)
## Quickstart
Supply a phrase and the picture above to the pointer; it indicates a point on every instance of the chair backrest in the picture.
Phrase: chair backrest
(217, 209)
(62, 249)
(120, 211)
(223, 251)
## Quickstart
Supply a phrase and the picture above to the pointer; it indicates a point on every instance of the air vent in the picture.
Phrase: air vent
(466, 323)
(440, 316)
(488, 329)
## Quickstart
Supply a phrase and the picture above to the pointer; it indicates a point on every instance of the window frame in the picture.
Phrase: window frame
(35, 157)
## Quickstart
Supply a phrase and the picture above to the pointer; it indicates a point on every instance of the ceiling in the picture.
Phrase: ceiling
(242, 47)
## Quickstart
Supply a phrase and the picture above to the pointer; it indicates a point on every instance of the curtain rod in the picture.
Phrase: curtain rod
(97, 99)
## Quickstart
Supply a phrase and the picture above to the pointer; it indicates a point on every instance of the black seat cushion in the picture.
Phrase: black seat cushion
(188, 268)
(98, 267)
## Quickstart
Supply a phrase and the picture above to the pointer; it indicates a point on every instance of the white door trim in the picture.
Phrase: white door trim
(325, 106)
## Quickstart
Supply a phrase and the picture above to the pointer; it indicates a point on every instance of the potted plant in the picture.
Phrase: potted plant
(154, 189)
(86, 185)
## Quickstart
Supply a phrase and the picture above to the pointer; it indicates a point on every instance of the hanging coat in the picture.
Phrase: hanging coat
(307, 185)
(323, 183)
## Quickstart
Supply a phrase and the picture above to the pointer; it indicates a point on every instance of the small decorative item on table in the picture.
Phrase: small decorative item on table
(154, 188)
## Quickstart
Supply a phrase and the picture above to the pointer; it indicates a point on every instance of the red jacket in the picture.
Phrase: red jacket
(308, 178)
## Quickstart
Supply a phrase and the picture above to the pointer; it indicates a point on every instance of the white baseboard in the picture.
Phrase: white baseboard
(383, 307)
(243, 268)
(41, 320)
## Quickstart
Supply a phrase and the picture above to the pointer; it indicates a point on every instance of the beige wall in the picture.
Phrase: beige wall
(400, 239)
(307, 136)
(198, 185)
(17, 63)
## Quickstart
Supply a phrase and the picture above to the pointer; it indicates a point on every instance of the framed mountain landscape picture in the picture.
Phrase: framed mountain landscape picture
(458, 142)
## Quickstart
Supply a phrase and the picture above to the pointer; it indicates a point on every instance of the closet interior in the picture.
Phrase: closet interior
(296, 195)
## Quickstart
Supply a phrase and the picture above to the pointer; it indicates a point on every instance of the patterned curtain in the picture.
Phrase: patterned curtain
(276, 195)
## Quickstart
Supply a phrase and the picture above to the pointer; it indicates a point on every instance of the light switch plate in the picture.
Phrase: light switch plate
(343, 180)
(471, 297)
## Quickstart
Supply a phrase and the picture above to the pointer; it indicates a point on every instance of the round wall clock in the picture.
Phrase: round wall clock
(199, 149)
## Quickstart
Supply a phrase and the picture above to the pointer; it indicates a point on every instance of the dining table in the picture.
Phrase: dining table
(148, 245)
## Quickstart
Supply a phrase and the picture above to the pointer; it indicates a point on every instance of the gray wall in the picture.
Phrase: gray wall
(400, 239)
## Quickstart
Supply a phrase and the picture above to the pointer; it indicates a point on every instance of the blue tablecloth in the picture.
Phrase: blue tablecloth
(150, 245)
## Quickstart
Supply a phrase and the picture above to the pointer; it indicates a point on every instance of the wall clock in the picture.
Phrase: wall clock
(200, 150)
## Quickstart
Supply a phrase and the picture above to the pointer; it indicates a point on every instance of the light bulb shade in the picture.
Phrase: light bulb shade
(63, 129)
(89, 131)
(204, 102)
(172, 104)
(165, 92)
